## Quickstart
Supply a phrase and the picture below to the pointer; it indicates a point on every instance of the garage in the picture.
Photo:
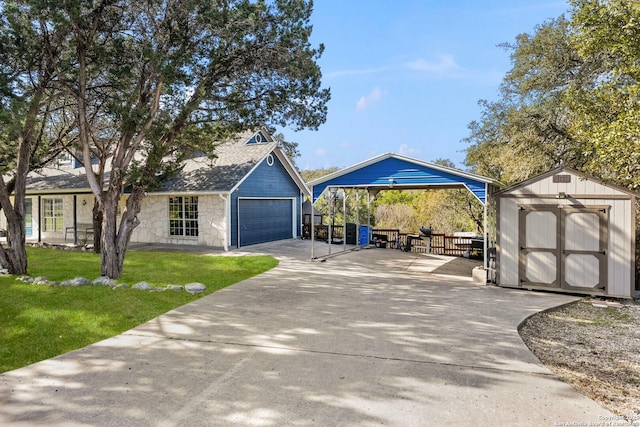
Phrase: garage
(265, 220)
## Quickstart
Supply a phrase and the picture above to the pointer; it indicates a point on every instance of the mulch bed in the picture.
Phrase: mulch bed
(594, 345)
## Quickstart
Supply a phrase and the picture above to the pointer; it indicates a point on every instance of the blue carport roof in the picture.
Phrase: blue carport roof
(399, 172)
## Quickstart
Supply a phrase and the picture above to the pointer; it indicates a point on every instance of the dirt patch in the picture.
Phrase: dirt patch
(595, 349)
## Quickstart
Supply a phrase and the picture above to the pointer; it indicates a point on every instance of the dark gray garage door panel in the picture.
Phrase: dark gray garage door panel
(265, 220)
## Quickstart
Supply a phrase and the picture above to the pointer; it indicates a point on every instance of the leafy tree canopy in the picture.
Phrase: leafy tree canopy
(607, 112)
(310, 175)
(571, 98)
(152, 82)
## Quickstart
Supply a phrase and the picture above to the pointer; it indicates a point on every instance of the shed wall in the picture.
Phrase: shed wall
(620, 252)
(579, 192)
(577, 187)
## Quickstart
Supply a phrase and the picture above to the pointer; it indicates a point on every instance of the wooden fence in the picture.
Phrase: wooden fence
(440, 244)
(449, 245)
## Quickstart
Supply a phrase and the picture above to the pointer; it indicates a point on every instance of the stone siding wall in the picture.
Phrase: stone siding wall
(154, 222)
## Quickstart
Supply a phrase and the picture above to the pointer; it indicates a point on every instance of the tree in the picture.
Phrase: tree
(396, 216)
(607, 112)
(290, 147)
(313, 174)
(528, 130)
(175, 76)
(570, 98)
(395, 209)
(446, 211)
(33, 129)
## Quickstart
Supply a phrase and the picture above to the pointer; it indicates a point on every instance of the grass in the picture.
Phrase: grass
(38, 322)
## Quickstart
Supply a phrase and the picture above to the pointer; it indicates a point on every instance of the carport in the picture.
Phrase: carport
(397, 172)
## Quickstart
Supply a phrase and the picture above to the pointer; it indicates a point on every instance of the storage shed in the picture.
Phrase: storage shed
(566, 232)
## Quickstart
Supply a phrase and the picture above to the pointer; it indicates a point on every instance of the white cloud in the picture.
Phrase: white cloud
(444, 65)
(357, 72)
(320, 152)
(405, 150)
(346, 144)
(374, 97)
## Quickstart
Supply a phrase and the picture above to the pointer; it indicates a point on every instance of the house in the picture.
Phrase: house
(249, 193)
(564, 231)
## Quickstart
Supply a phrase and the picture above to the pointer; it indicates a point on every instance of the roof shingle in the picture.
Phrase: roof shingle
(234, 159)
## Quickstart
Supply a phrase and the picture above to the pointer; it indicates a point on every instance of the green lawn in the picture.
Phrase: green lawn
(38, 321)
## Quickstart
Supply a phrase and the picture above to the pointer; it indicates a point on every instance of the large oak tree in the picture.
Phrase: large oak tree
(527, 130)
(607, 111)
(571, 97)
(34, 128)
(174, 76)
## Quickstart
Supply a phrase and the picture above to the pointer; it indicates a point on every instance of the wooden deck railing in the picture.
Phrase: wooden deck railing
(440, 244)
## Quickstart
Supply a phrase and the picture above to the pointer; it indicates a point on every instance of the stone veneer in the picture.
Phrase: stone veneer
(83, 211)
(154, 222)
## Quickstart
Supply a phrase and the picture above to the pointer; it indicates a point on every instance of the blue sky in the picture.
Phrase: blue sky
(406, 75)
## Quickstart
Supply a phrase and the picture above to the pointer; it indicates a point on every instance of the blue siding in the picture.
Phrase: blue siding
(265, 182)
(402, 173)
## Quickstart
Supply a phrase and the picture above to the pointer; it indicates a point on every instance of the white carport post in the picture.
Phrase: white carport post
(369, 230)
(357, 206)
(332, 210)
(486, 232)
(344, 219)
(313, 228)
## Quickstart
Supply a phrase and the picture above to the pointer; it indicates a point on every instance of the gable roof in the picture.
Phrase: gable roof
(563, 169)
(235, 159)
(394, 171)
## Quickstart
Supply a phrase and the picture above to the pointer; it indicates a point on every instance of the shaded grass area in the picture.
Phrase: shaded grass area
(38, 321)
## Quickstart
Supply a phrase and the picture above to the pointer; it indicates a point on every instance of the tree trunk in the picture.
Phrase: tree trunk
(115, 242)
(14, 256)
(97, 227)
(110, 261)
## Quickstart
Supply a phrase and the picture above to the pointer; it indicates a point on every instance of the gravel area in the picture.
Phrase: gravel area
(595, 347)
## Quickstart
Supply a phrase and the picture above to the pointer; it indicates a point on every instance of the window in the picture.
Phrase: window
(52, 214)
(183, 216)
(65, 159)
(258, 138)
(28, 217)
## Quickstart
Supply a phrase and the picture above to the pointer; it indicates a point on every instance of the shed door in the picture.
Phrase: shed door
(264, 220)
(584, 254)
(563, 247)
(539, 231)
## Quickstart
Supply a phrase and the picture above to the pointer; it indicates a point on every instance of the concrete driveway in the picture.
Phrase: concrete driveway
(366, 338)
